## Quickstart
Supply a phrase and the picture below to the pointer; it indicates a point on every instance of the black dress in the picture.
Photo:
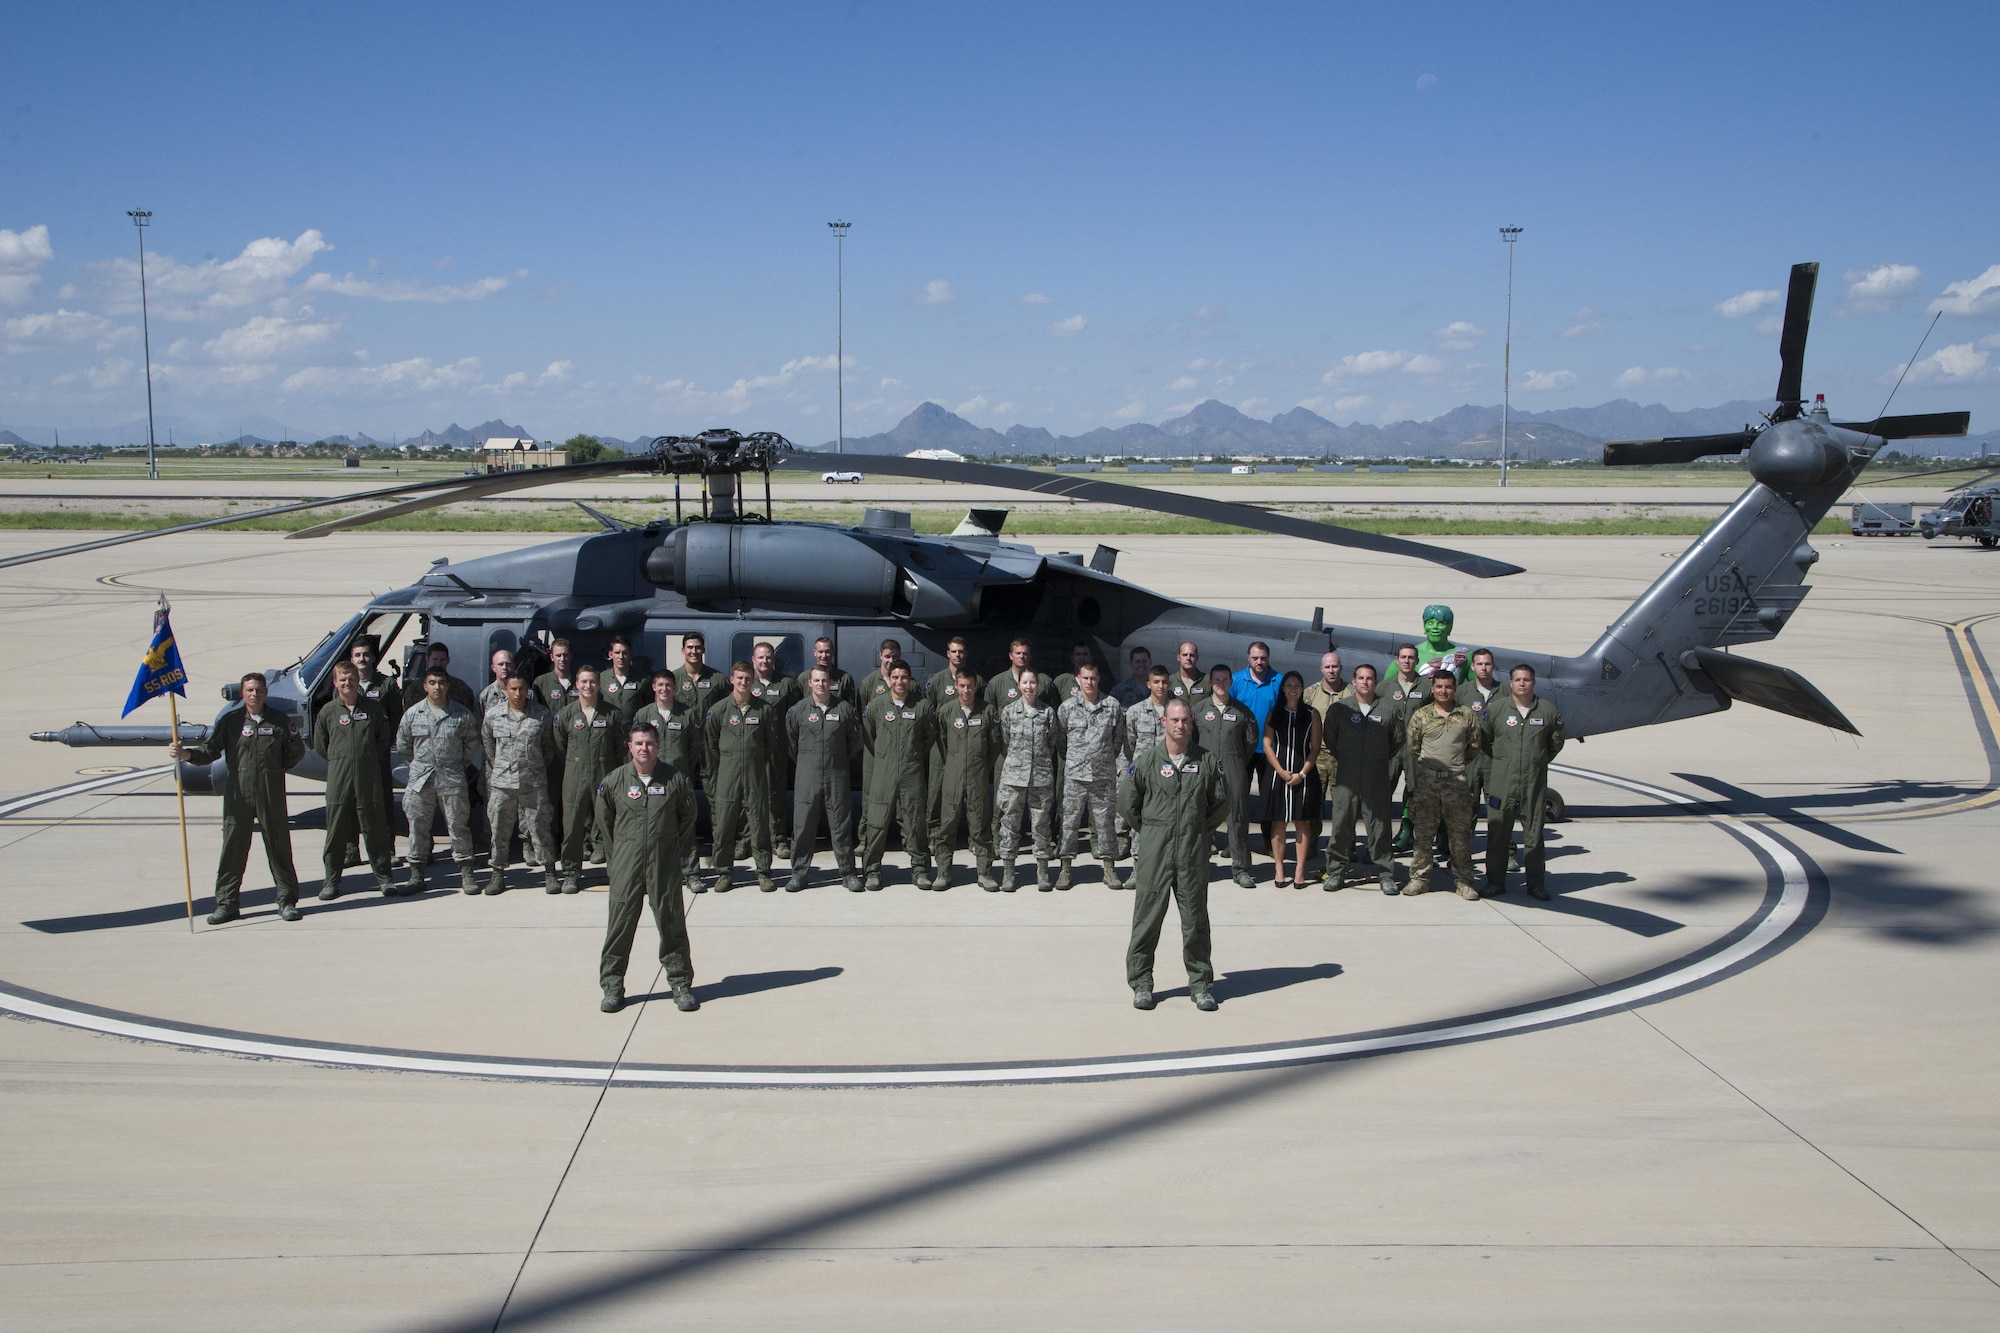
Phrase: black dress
(1291, 738)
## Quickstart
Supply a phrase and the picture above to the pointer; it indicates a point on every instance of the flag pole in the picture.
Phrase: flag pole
(180, 797)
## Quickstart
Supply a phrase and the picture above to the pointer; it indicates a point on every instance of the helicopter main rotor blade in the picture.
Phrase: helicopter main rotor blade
(1919, 426)
(1792, 342)
(1675, 448)
(1159, 501)
(477, 488)
(381, 493)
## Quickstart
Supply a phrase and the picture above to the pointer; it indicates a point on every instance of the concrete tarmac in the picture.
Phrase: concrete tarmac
(1804, 1139)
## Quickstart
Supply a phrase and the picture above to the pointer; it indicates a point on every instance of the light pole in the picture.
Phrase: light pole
(143, 218)
(839, 335)
(1509, 235)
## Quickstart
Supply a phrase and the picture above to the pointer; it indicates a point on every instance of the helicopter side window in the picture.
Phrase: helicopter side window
(791, 649)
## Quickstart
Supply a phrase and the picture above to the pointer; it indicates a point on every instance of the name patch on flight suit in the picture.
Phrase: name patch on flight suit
(673, 726)
(656, 791)
(1534, 722)
(599, 724)
(1190, 767)
(909, 717)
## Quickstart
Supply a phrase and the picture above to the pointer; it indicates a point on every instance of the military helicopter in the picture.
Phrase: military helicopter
(743, 577)
(1968, 513)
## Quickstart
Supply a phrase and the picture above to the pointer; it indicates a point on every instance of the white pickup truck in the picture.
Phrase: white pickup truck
(830, 478)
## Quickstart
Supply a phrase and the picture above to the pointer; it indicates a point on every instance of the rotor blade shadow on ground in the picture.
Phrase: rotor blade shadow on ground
(356, 899)
(1743, 802)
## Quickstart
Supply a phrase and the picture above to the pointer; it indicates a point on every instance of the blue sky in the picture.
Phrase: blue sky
(385, 218)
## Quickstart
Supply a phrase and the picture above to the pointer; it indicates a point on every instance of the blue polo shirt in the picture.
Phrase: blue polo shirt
(1258, 698)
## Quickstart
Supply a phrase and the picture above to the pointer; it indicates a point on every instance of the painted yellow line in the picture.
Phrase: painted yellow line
(1982, 690)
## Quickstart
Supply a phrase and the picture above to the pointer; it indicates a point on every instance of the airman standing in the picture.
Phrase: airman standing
(261, 747)
(628, 685)
(1093, 728)
(1030, 746)
(961, 781)
(1364, 734)
(438, 657)
(1081, 655)
(1190, 682)
(556, 688)
(823, 734)
(494, 693)
(777, 694)
(1135, 687)
(1174, 797)
(1005, 688)
(896, 732)
(740, 734)
(438, 739)
(1319, 697)
(1524, 734)
(1228, 730)
(1443, 740)
(587, 738)
(519, 740)
(352, 734)
(843, 684)
(364, 653)
(647, 810)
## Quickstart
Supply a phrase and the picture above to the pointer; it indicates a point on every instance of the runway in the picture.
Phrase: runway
(1791, 1126)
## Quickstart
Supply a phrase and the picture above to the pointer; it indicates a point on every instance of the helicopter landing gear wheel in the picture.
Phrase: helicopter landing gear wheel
(1554, 808)
(1989, 542)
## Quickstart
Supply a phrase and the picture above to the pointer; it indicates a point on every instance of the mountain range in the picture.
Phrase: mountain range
(1214, 427)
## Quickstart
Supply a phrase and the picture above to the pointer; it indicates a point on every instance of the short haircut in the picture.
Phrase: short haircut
(1186, 643)
(1134, 654)
(1255, 644)
(1443, 678)
(586, 669)
(889, 646)
(899, 665)
(436, 673)
(444, 648)
(1221, 669)
(646, 727)
(1159, 673)
(372, 642)
(1369, 667)
(1012, 644)
(1478, 653)
(744, 667)
(1520, 666)
(559, 643)
(620, 641)
(340, 668)
(823, 639)
(966, 673)
(694, 636)
(958, 641)
(249, 676)
(826, 671)
(1177, 702)
(521, 676)
(1084, 644)
(1401, 646)
(662, 675)
(1091, 667)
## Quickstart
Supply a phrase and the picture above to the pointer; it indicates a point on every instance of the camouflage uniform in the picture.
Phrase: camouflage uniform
(492, 697)
(1130, 691)
(518, 748)
(1145, 724)
(438, 745)
(456, 691)
(1172, 807)
(1093, 737)
(1519, 750)
(1437, 754)
(1229, 731)
(1030, 744)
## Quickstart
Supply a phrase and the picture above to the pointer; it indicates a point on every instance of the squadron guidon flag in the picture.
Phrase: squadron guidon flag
(160, 671)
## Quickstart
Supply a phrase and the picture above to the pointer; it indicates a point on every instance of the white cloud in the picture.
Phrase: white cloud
(402, 289)
(1872, 291)
(60, 327)
(1973, 296)
(1458, 336)
(1771, 326)
(1639, 375)
(1184, 382)
(1372, 365)
(1034, 298)
(1748, 303)
(1587, 323)
(1961, 363)
(1130, 411)
(972, 404)
(557, 372)
(1249, 406)
(114, 374)
(739, 392)
(1204, 363)
(1426, 81)
(1002, 409)
(1353, 402)
(935, 292)
(1064, 328)
(517, 379)
(417, 372)
(269, 338)
(185, 291)
(1539, 381)
(22, 254)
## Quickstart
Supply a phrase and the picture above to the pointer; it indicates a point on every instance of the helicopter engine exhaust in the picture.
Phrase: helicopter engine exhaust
(714, 562)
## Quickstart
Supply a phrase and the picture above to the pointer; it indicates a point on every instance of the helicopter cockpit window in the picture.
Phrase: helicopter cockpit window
(791, 650)
(317, 668)
(313, 668)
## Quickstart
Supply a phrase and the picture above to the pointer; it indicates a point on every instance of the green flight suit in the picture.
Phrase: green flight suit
(1229, 730)
(844, 687)
(649, 823)
(682, 744)
(1363, 744)
(1519, 752)
(354, 742)
(1172, 807)
(590, 748)
(696, 693)
(740, 737)
(259, 755)
(777, 696)
(823, 744)
(383, 690)
(556, 694)
(942, 692)
(897, 738)
(961, 781)
(629, 695)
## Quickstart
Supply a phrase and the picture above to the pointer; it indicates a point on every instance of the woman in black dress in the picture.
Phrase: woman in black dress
(1291, 791)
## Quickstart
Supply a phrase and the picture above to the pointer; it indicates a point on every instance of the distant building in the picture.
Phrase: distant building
(508, 454)
(937, 455)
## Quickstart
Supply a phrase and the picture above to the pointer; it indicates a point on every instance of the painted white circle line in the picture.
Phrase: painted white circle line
(1767, 930)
